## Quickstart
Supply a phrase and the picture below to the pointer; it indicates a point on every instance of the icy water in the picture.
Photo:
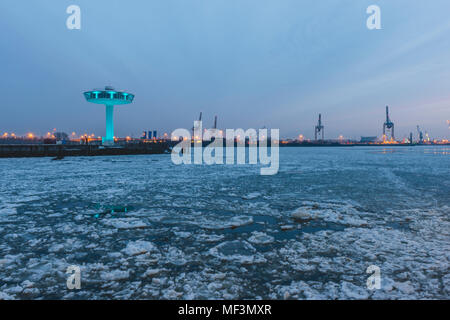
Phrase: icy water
(140, 227)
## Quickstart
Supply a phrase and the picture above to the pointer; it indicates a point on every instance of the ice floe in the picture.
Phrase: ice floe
(260, 238)
(139, 247)
(205, 240)
(126, 223)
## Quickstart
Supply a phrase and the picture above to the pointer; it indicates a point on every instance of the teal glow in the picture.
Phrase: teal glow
(106, 98)
(109, 124)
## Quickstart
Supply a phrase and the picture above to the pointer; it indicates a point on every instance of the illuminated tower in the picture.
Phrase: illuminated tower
(110, 98)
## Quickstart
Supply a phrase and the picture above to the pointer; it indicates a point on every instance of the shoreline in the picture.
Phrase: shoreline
(61, 151)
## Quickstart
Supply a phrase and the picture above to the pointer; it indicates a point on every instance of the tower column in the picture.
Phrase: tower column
(109, 138)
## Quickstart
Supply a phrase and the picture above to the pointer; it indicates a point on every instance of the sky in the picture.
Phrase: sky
(253, 63)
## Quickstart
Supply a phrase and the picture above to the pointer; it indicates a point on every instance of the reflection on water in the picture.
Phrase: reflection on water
(443, 150)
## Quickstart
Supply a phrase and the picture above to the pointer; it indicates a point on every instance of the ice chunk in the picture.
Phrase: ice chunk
(115, 275)
(126, 223)
(237, 251)
(5, 296)
(303, 214)
(349, 290)
(139, 247)
(240, 221)
(151, 272)
(260, 238)
(252, 195)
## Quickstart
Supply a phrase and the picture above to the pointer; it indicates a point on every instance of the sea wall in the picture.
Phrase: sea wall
(54, 150)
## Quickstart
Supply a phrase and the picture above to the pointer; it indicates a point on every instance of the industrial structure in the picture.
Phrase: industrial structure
(371, 139)
(420, 135)
(215, 122)
(389, 125)
(109, 97)
(214, 131)
(194, 128)
(319, 128)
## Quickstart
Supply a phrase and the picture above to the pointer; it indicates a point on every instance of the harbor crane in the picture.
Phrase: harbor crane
(319, 128)
(420, 133)
(389, 125)
(215, 132)
(199, 119)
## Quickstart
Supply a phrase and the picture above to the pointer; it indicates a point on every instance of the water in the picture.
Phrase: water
(140, 227)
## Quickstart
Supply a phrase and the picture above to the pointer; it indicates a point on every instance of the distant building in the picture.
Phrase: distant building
(368, 139)
(61, 136)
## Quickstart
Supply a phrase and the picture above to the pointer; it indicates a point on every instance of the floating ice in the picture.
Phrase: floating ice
(115, 275)
(177, 242)
(139, 247)
(56, 248)
(237, 251)
(124, 223)
(240, 221)
(303, 214)
(5, 296)
(182, 234)
(252, 195)
(176, 256)
(210, 237)
(151, 272)
(260, 238)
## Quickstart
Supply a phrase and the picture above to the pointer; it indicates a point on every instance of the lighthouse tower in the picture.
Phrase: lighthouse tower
(110, 98)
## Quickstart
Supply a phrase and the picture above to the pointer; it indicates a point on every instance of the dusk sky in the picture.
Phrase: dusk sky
(253, 63)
